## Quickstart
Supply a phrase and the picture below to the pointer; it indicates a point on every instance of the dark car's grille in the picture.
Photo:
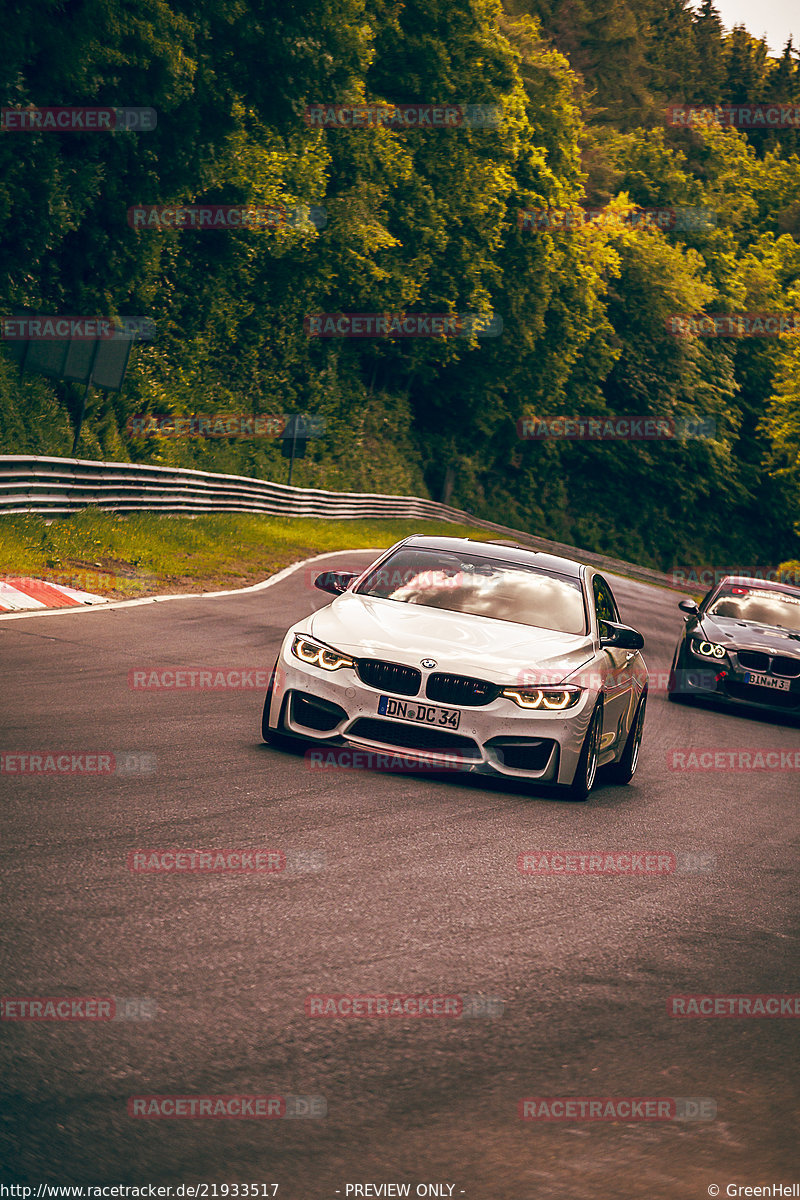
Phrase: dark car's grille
(413, 737)
(753, 660)
(460, 689)
(753, 694)
(389, 677)
(780, 664)
(789, 667)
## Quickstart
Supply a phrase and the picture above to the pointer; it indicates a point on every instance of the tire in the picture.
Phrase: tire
(624, 770)
(586, 770)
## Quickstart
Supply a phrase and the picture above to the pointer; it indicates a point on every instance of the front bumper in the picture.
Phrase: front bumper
(727, 682)
(500, 739)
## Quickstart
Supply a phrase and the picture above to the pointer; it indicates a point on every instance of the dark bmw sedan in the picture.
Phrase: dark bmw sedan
(741, 646)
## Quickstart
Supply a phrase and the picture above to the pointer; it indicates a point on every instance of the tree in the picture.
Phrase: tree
(708, 36)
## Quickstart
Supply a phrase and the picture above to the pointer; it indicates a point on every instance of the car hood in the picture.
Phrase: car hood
(730, 631)
(498, 651)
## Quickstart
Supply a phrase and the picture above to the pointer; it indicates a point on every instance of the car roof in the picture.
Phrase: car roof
(764, 585)
(505, 550)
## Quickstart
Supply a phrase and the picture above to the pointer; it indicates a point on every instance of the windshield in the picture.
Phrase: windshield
(483, 587)
(779, 610)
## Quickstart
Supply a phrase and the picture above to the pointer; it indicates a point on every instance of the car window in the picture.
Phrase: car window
(480, 585)
(762, 606)
(604, 600)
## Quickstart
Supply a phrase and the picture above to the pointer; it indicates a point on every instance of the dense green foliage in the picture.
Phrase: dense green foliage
(425, 221)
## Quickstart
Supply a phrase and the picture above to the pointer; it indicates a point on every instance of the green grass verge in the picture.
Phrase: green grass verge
(146, 554)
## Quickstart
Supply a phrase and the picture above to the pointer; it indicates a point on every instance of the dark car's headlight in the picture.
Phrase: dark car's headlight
(551, 699)
(705, 649)
(319, 656)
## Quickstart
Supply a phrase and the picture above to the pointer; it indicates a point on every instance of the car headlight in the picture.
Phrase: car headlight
(552, 699)
(319, 656)
(707, 649)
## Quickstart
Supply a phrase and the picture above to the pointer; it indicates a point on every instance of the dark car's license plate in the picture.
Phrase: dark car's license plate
(419, 714)
(780, 685)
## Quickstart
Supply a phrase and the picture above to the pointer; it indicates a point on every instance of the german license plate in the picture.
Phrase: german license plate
(780, 685)
(432, 715)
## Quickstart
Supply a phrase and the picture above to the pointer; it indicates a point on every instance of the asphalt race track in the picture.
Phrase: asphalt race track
(395, 883)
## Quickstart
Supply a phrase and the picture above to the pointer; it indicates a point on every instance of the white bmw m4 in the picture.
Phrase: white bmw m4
(496, 659)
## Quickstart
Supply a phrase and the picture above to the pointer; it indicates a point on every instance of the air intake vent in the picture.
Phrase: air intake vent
(413, 737)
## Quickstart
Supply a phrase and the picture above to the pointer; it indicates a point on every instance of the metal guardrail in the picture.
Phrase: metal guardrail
(60, 486)
(57, 487)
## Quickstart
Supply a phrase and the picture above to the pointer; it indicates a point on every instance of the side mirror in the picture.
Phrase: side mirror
(621, 637)
(688, 606)
(335, 581)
